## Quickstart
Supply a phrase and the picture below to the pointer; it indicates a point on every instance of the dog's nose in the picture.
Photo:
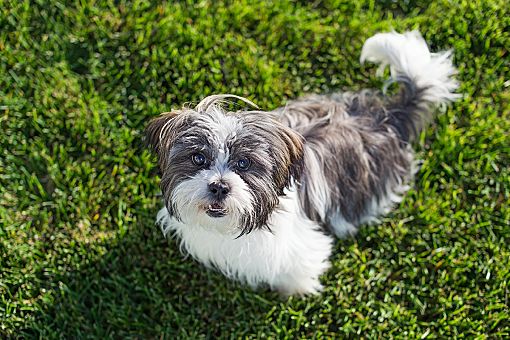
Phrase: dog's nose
(219, 189)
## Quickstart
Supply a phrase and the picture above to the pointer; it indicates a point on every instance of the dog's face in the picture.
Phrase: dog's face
(224, 170)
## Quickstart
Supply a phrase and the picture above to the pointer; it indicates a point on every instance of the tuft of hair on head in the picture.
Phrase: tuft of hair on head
(221, 99)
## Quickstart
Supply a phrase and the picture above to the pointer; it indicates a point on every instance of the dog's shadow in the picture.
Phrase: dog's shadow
(143, 287)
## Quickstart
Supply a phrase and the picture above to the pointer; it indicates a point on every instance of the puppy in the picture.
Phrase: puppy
(258, 195)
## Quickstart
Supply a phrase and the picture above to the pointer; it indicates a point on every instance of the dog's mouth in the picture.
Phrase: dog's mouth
(216, 210)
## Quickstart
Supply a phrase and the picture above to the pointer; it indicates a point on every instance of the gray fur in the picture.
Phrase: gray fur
(359, 141)
(348, 154)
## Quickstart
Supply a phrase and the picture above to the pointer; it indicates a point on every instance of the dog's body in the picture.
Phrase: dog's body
(256, 194)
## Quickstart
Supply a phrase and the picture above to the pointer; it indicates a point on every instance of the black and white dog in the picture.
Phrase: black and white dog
(258, 194)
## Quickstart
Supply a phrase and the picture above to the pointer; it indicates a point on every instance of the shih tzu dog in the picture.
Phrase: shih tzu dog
(258, 195)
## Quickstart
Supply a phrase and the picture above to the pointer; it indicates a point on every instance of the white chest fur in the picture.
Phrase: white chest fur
(289, 258)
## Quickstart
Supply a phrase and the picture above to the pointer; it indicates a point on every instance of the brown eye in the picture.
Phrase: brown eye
(198, 159)
(243, 164)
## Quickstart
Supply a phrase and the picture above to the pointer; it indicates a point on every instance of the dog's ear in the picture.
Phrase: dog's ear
(286, 146)
(288, 152)
(157, 130)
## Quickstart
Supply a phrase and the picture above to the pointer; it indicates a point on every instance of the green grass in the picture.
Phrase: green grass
(80, 256)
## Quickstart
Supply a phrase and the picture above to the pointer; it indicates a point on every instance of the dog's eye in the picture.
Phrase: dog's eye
(198, 159)
(243, 164)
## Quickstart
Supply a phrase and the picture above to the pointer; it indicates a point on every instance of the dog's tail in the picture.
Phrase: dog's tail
(426, 78)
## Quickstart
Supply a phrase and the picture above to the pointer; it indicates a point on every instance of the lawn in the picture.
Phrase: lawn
(80, 256)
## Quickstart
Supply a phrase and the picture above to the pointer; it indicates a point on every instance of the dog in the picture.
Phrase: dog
(259, 195)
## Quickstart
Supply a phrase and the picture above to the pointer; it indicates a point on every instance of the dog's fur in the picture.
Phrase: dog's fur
(256, 194)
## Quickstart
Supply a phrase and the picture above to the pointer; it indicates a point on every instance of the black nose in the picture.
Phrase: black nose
(219, 189)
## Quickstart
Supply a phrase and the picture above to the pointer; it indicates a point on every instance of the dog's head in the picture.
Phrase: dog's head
(221, 169)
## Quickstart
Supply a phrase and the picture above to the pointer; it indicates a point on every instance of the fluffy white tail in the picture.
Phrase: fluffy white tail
(408, 55)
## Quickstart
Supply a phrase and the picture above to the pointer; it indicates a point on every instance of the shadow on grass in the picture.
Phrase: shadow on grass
(143, 288)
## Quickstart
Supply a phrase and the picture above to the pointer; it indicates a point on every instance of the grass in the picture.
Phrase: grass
(80, 256)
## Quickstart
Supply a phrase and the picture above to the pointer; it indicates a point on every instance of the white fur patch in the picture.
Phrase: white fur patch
(407, 54)
(317, 184)
(341, 227)
(192, 195)
(224, 128)
(289, 258)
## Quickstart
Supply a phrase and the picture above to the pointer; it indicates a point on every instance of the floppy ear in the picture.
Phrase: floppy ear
(155, 132)
(289, 153)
